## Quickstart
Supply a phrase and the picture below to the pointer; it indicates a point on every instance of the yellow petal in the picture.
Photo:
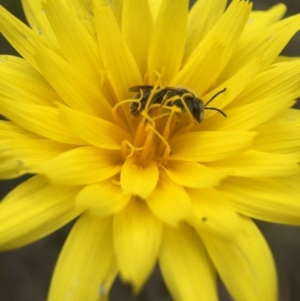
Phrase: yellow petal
(280, 135)
(278, 79)
(102, 198)
(267, 199)
(139, 180)
(36, 17)
(22, 152)
(32, 87)
(169, 201)
(86, 267)
(84, 165)
(258, 164)
(292, 182)
(10, 130)
(284, 59)
(39, 119)
(268, 41)
(202, 17)
(225, 35)
(137, 238)
(245, 264)
(121, 68)
(99, 132)
(185, 266)
(212, 214)
(208, 146)
(75, 42)
(235, 85)
(259, 19)
(83, 10)
(20, 36)
(192, 174)
(33, 210)
(154, 8)
(169, 33)
(71, 84)
(33, 152)
(257, 112)
(186, 76)
(116, 7)
(137, 30)
(10, 166)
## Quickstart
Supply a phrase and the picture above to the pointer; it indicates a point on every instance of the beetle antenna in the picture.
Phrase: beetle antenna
(215, 109)
(220, 92)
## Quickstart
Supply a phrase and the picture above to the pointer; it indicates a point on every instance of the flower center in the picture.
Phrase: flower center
(158, 116)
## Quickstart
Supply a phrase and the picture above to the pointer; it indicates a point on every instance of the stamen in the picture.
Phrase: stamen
(149, 100)
(147, 117)
(140, 132)
(122, 102)
(170, 122)
(168, 127)
(119, 121)
(181, 98)
(116, 117)
(160, 116)
(167, 149)
(133, 148)
(148, 150)
(149, 77)
(186, 108)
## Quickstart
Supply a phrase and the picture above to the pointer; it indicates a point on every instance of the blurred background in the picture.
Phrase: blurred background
(25, 273)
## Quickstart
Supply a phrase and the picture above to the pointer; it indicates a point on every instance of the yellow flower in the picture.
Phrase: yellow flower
(105, 109)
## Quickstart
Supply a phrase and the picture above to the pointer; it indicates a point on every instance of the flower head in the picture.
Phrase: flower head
(164, 130)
